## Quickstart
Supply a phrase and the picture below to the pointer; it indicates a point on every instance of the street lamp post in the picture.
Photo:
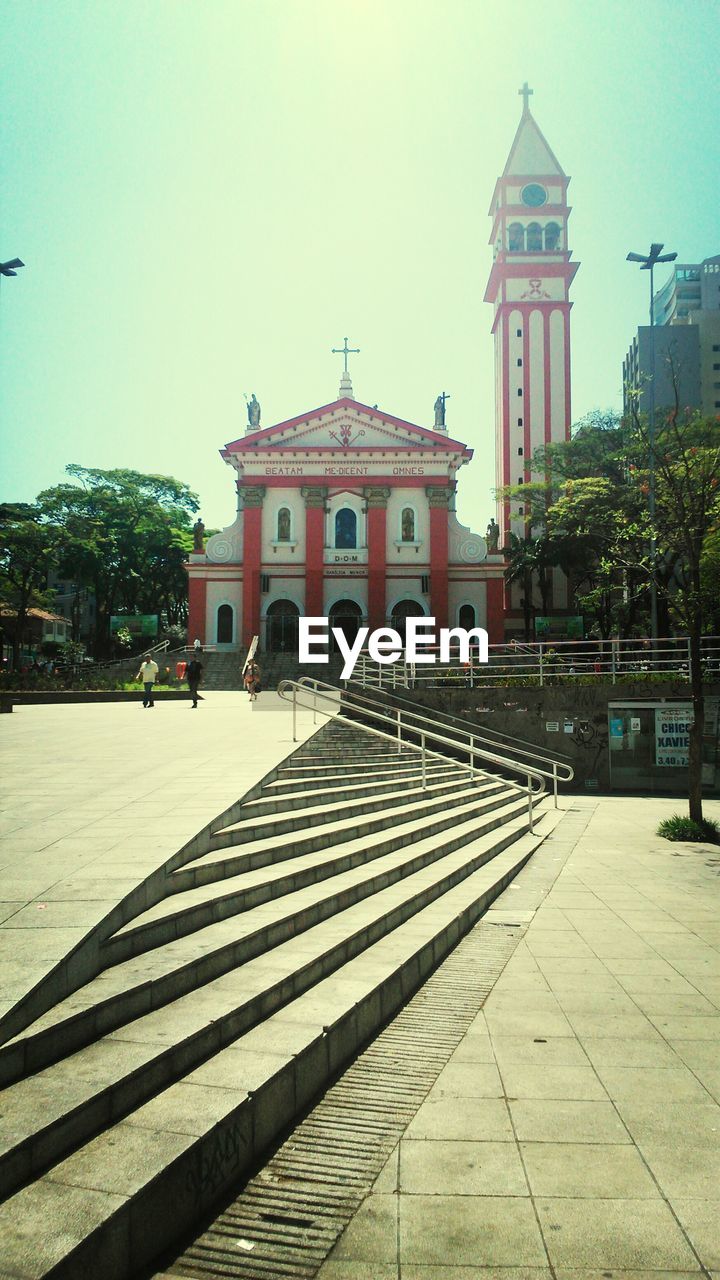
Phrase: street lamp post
(648, 262)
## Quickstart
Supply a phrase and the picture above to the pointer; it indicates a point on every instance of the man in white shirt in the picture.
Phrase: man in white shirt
(148, 674)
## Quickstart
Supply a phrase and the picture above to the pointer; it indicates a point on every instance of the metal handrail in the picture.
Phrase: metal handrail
(312, 689)
(473, 734)
(503, 739)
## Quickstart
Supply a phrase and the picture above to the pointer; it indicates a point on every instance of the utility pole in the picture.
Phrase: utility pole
(648, 262)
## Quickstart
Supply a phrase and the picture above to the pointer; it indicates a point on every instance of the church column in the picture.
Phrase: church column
(495, 620)
(197, 609)
(315, 501)
(252, 497)
(377, 500)
(438, 502)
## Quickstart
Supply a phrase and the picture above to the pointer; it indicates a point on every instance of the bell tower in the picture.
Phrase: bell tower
(529, 288)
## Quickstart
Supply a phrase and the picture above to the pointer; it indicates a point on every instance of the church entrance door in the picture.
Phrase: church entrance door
(281, 627)
(403, 610)
(347, 617)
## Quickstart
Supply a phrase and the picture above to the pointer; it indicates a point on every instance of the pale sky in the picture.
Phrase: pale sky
(210, 196)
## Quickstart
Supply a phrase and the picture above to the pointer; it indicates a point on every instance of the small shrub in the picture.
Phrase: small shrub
(681, 828)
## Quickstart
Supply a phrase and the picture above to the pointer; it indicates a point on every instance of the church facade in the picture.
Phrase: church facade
(348, 512)
(344, 512)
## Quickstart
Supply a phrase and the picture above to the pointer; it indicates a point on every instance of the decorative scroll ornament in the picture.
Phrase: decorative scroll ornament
(226, 547)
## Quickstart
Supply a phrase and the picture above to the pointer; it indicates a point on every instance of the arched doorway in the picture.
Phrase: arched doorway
(225, 624)
(281, 627)
(347, 617)
(403, 610)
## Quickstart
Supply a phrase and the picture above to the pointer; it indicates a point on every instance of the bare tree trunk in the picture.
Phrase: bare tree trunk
(697, 729)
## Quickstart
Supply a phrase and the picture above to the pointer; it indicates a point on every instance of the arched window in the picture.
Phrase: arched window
(225, 624)
(516, 237)
(407, 525)
(283, 524)
(534, 237)
(552, 235)
(346, 529)
(466, 617)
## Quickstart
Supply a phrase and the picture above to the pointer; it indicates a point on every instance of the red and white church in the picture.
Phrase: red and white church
(348, 512)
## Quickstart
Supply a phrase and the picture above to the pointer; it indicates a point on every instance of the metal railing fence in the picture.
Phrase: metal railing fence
(403, 725)
(545, 662)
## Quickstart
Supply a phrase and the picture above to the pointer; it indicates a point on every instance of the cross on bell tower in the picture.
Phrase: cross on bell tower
(525, 93)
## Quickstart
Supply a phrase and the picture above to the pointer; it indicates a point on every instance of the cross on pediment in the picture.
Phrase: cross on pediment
(346, 351)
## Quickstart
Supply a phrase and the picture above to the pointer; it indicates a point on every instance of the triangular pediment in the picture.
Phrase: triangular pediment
(530, 153)
(344, 424)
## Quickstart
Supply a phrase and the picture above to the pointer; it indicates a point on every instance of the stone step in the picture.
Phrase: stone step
(63, 1106)
(286, 801)
(285, 787)
(134, 986)
(208, 867)
(164, 1165)
(196, 908)
(371, 814)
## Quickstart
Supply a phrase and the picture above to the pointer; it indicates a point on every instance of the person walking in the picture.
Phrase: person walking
(252, 680)
(148, 674)
(193, 675)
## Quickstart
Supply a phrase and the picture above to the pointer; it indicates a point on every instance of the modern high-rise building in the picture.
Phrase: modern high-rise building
(678, 358)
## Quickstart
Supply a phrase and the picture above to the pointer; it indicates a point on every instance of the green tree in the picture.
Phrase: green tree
(28, 549)
(125, 537)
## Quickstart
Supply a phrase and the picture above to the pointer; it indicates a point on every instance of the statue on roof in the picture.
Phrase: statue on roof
(253, 411)
(440, 409)
(492, 535)
(198, 536)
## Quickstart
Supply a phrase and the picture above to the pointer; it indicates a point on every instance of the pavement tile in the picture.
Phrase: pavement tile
(338, 1270)
(371, 1237)
(701, 1220)
(689, 1028)
(413, 1272)
(581, 1169)
(676, 1084)
(461, 1168)
(613, 1233)
(539, 1120)
(617, 1052)
(502, 1231)
(538, 1050)
(522, 1080)
(527, 1022)
(467, 1080)
(477, 1119)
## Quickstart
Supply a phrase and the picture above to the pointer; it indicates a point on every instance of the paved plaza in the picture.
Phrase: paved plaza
(575, 1133)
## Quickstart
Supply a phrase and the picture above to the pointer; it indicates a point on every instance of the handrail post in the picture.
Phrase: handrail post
(555, 783)
(399, 735)
(472, 758)
(612, 659)
(294, 714)
(315, 702)
(530, 804)
(541, 667)
(424, 772)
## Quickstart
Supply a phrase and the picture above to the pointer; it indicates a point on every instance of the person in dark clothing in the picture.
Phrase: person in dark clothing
(193, 675)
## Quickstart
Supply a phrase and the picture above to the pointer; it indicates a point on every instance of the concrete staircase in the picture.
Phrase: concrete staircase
(291, 932)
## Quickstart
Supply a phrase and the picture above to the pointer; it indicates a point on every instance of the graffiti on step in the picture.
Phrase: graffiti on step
(214, 1162)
